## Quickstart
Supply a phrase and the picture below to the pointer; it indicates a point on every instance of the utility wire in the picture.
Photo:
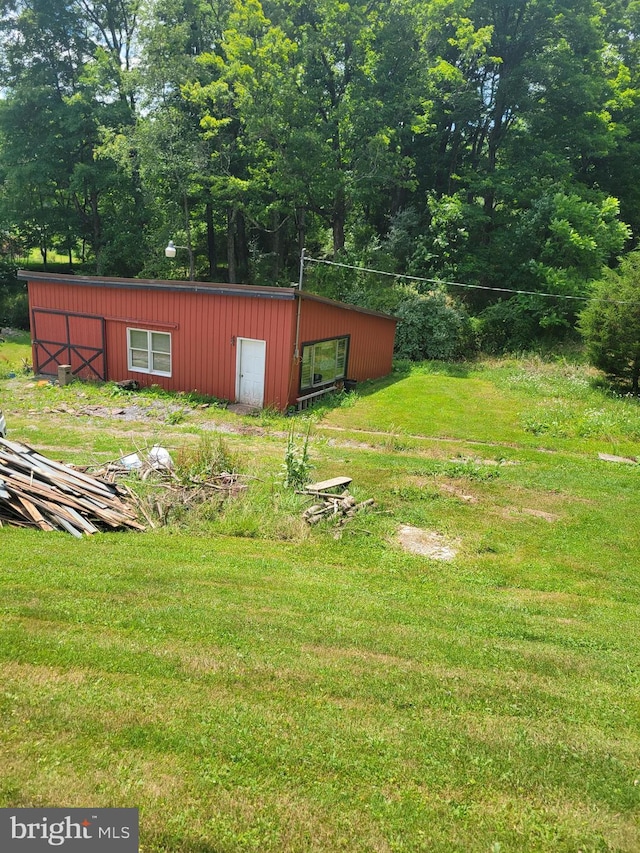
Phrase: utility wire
(406, 277)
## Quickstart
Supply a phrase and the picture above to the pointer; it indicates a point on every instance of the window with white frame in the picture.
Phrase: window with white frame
(149, 351)
(323, 362)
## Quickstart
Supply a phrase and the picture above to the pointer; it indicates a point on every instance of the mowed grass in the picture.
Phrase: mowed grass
(15, 353)
(525, 402)
(252, 684)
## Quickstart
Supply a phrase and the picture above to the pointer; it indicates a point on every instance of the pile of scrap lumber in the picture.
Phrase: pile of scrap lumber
(171, 495)
(340, 506)
(167, 491)
(38, 492)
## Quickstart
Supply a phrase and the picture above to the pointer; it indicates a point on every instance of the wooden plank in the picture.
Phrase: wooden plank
(14, 446)
(55, 512)
(38, 491)
(70, 474)
(33, 462)
(66, 481)
(325, 485)
(314, 394)
(27, 496)
(51, 488)
(38, 518)
(21, 482)
(70, 528)
(82, 522)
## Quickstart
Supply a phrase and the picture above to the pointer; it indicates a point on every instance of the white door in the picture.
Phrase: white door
(251, 366)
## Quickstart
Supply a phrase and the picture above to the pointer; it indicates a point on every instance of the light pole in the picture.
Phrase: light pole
(170, 252)
(296, 351)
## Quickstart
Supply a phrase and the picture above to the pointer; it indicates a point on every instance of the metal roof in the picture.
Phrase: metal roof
(156, 284)
(220, 289)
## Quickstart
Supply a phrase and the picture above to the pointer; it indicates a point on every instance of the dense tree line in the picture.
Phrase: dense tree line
(492, 143)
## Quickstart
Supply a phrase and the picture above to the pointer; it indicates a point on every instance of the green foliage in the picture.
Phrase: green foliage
(209, 458)
(15, 355)
(450, 141)
(467, 469)
(67, 77)
(610, 324)
(432, 325)
(569, 239)
(449, 247)
(297, 464)
(176, 416)
(519, 323)
(14, 307)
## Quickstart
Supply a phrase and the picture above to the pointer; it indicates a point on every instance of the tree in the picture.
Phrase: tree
(515, 103)
(617, 170)
(432, 325)
(610, 324)
(14, 307)
(67, 75)
(488, 142)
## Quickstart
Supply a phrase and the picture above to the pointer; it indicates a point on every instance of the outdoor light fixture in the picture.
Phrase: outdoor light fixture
(170, 252)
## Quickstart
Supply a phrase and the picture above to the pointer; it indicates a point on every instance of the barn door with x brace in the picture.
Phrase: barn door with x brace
(63, 337)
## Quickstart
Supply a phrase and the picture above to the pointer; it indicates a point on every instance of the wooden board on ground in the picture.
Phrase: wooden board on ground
(340, 483)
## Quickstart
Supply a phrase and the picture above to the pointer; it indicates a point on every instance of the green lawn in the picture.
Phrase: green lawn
(255, 685)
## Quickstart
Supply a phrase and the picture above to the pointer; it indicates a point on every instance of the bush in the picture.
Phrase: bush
(519, 323)
(610, 324)
(432, 325)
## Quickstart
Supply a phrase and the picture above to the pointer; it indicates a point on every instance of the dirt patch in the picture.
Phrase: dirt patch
(456, 492)
(479, 460)
(627, 460)
(540, 513)
(428, 543)
(513, 512)
(125, 413)
(358, 445)
(40, 675)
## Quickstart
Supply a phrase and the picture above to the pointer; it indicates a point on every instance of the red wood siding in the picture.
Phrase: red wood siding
(205, 322)
(371, 337)
(204, 329)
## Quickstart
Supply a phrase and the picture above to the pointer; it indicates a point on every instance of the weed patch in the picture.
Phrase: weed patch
(210, 457)
(297, 463)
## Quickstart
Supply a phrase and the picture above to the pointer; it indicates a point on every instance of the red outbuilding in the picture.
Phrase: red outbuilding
(263, 346)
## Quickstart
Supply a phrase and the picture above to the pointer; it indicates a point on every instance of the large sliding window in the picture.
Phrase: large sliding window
(323, 362)
(149, 352)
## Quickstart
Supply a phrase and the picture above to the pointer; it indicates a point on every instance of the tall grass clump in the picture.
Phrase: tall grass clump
(264, 511)
(297, 464)
(209, 458)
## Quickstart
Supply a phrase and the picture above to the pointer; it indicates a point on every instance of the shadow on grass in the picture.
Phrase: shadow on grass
(404, 369)
(613, 389)
(454, 369)
(401, 370)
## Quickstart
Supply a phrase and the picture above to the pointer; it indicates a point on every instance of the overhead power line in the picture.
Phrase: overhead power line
(438, 281)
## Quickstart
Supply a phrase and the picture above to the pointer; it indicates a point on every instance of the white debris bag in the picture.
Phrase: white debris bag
(159, 457)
